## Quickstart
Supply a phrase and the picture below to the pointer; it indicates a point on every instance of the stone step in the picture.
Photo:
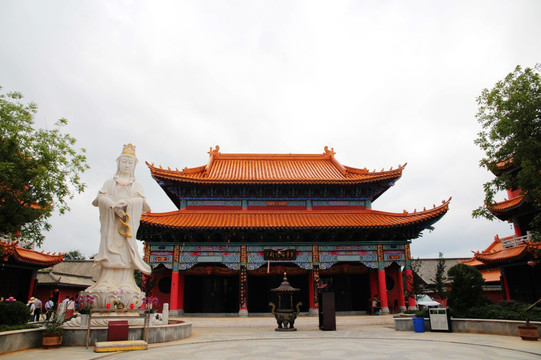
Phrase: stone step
(127, 345)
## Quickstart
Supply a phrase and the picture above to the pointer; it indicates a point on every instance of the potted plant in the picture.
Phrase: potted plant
(85, 305)
(527, 331)
(53, 333)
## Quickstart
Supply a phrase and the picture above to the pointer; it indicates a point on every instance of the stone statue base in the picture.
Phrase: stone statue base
(104, 322)
(126, 297)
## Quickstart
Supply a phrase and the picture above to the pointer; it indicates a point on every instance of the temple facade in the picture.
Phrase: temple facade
(511, 263)
(245, 219)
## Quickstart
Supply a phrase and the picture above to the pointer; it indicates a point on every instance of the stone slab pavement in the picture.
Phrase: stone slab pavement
(356, 337)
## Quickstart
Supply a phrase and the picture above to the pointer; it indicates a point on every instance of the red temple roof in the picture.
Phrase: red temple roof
(502, 256)
(497, 254)
(274, 168)
(499, 209)
(291, 219)
(494, 247)
(27, 256)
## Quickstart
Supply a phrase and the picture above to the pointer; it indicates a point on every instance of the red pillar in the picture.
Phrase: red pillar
(31, 289)
(173, 301)
(401, 296)
(412, 305)
(311, 294)
(243, 306)
(506, 286)
(383, 292)
(518, 232)
(181, 293)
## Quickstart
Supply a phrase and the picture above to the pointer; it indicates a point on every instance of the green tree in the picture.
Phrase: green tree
(440, 288)
(510, 115)
(466, 287)
(39, 170)
(74, 255)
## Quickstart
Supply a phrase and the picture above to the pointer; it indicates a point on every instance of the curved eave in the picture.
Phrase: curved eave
(503, 256)
(292, 220)
(27, 256)
(503, 209)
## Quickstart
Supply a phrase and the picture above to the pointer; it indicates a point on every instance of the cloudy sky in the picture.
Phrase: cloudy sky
(383, 82)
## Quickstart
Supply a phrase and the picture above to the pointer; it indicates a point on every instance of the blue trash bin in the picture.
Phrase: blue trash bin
(418, 324)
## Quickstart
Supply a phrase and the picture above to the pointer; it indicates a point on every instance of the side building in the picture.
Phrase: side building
(19, 269)
(512, 262)
(245, 219)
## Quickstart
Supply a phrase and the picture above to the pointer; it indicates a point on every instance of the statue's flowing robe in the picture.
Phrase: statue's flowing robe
(118, 255)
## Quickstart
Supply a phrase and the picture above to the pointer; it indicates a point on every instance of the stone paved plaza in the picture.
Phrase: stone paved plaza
(356, 337)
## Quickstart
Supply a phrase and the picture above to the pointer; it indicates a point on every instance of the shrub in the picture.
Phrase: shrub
(423, 313)
(466, 288)
(17, 327)
(511, 311)
(14, 313)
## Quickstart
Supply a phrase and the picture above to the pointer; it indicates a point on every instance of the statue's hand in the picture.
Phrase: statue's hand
(119, 211)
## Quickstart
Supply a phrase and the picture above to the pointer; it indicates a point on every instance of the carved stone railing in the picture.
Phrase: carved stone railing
(514, 241)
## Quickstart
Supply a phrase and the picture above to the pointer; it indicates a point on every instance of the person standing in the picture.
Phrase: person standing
(37, 309)
(70, 308)
(49, 308)
(32, 307)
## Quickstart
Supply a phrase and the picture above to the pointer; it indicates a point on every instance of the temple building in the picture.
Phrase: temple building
(245, 219)
(511, 263)
(19, 268)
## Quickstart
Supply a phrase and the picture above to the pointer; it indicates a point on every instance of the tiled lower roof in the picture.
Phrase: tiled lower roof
(495, 246)
(52, 278)
(503, 256)
(79, 273)
(291, 219)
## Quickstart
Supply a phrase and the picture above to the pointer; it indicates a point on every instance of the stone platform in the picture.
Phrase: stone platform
(175, 330)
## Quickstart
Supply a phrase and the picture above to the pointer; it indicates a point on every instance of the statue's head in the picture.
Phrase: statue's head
(127, 161)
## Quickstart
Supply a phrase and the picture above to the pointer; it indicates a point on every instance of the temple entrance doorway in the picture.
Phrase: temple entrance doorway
(211, 289)
(260, 284)
(350, 284)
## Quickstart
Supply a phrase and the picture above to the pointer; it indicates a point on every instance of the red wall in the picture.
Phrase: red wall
(163, 298)
(394, 293)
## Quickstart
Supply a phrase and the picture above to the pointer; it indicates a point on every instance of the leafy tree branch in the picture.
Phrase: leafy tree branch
(40, 170)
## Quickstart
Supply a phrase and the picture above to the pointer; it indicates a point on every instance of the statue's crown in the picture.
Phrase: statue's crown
(128, 150)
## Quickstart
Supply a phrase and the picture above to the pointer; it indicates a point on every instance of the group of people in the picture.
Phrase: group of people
(37, 308)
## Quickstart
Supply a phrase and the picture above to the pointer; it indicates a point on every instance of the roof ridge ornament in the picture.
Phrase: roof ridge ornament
(330, 152)
(339, 166)
(212, 153)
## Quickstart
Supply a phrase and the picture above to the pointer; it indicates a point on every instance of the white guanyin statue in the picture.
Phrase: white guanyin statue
(121, 202)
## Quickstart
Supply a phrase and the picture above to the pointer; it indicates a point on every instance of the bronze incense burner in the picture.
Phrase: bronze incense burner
(285, 314)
